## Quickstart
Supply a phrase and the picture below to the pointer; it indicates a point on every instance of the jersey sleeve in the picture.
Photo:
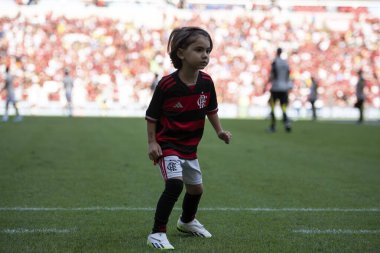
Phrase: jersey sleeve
(213, 105)
(154, 111)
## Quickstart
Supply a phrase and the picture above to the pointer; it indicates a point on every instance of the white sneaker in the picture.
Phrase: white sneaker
(5, 118)
(194, 227)
(159, 241)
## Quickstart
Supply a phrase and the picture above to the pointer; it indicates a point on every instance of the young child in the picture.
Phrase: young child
(175, 124)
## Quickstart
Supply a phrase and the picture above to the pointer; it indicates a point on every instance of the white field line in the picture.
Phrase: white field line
(35, 230)
(213, 209)
(336, 231)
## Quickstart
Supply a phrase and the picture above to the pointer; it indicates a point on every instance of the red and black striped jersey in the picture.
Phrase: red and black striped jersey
(180, 111)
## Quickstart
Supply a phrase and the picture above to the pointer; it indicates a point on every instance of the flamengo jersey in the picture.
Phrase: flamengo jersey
(180, 112)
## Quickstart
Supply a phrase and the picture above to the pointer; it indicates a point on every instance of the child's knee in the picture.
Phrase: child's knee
(194, 189)
(173, 187)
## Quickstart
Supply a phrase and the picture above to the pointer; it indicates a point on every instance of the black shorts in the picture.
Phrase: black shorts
(279, 95)
(359, 103)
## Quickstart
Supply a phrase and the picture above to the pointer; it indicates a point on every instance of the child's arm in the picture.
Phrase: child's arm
(215, 122)
(154, 149)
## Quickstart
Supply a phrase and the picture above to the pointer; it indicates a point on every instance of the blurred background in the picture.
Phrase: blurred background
(114, 48)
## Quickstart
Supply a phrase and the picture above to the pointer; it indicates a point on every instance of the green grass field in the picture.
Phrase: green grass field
(86, 185)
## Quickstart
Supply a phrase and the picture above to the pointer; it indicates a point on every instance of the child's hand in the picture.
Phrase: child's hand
(154, 152)
(225, 136)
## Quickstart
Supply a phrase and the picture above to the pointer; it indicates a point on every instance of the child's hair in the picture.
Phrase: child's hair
(182, 38)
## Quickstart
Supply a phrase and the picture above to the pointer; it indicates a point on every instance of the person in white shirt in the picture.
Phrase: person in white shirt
(313, 96)
(68, 84)
(8, 86)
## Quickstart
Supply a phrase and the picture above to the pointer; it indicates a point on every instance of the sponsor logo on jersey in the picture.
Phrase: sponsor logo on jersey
(178, 105)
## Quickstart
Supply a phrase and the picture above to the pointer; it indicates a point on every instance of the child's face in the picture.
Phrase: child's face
(197, 54)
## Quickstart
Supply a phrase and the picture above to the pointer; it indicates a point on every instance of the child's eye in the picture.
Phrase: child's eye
(200, 50)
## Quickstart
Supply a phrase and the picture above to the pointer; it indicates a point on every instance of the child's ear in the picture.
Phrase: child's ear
(180, 53)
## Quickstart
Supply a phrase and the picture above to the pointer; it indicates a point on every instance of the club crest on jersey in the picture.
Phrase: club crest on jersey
(202, 101)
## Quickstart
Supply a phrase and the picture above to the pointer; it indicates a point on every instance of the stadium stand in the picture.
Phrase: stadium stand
(114, 51)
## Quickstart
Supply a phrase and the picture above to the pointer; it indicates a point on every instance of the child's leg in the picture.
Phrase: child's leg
(187, 223)
(173, 189)
(192, 177)
(190, 202)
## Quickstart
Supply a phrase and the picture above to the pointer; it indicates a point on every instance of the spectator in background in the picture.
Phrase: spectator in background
(313, 96)
(30, 2)
(360, 97)
(10, 96)
(68, 84)
(26, 2)
(100, 47)
(279, 78)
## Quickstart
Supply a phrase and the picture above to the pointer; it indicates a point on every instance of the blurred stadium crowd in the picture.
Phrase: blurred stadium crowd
(113, 52)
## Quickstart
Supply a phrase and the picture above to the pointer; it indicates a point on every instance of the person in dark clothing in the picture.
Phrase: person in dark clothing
(279, 78)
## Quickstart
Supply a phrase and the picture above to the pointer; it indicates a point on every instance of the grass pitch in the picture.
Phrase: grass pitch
(86, 185)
